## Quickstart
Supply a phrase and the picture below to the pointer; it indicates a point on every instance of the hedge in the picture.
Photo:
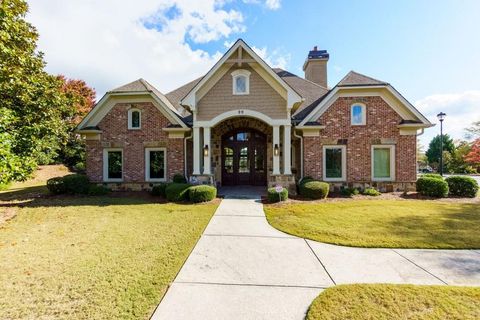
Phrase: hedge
(159, 189)
(462, 186)
(177, 192)
(432, 187)
(348, 192)
(202, 193)
(56, 185)
(273, 196)
(314, 189)
(72, 184)
(96, 190)
(179, 178)
(432, 175)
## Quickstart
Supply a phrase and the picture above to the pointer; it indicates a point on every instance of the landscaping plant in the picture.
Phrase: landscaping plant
(432, 187)
(314, 189)
(202, 193)
(177, 192)
(274, 196)
(462, 186)
(371, 192)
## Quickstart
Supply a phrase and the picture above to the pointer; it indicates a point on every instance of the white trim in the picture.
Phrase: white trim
(240, 73)
(130, 119)
(147, 164)
(344, 162)
(364, 114)
(241, 113)
(391, 147)
(105, 165)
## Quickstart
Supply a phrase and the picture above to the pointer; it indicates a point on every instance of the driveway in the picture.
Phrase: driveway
(242, 268)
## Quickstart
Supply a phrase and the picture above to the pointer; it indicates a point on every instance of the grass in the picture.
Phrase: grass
(382, 223)
(91, 257)
(381, 301)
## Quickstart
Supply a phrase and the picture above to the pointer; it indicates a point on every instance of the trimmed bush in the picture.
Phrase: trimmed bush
(273, 196)
(314, 189)
(462, 186)
(432, 187)
(56, 185)
(432, 175)
(177, 192)
(159, 189)
(202, 193)
(96, 190)
(348, 192)
(179, 178)
(371, 192)
(76, 184)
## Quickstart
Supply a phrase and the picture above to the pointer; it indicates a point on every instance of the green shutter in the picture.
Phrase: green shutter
(381, 163)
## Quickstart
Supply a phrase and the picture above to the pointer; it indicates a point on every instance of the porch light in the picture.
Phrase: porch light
(276, 151)
(205, 151)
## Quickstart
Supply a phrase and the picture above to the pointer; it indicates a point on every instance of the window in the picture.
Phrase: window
(134, 119)
(334, 163)
(383, 163)
(112, 164)
(241, 82)
(358, 115)
(155, 164)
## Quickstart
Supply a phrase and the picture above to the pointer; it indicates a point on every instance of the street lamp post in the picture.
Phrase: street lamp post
(441, 116)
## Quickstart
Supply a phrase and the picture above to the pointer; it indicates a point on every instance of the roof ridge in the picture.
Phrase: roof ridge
(361, 74)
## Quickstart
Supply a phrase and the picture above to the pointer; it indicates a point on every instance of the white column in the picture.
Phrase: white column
(276, 142)
(196, 150)
(206, 159)
(287, 162)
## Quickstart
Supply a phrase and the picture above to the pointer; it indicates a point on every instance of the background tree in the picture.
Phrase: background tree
(433, 152)
(473, 157)
(457, 162)
(474, 131)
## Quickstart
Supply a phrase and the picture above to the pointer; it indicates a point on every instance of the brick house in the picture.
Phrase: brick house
(244, 123)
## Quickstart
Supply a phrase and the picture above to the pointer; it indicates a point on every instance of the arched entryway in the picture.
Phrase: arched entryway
(244, 157)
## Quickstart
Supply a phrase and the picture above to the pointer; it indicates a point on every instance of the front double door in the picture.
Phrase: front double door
(244, 158)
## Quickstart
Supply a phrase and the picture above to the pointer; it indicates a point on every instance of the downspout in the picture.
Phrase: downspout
(185, 153)
(301, 151)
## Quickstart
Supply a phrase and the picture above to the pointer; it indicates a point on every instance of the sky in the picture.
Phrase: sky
(428, 50)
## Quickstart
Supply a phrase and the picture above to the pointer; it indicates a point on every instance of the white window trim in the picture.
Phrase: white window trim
(364, 114)
(130, 111)
(246, 74)
(392, 161)
(147, 164)
(105, 165)
(344, 163)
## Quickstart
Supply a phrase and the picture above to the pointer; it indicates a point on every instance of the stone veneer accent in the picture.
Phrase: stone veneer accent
(381, 128)
(117, 135)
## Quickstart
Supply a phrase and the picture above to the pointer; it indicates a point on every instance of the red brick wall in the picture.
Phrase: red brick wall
(116, 134)
(382, 123)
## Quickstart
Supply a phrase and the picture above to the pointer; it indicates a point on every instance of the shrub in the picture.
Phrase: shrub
(202, 193)
(432, 187)
(347, 191)
(432, 175)
(371, 192)
(179, 178)
(159, 189)
(56, 185)
(273, 196)
(96, 190)
(177, 192)
(462, 186)
(314, 189)
(76, 184)
(79, 167)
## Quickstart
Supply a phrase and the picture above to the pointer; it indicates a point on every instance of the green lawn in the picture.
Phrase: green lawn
(381, 301)
(382, 223)
(91, 257)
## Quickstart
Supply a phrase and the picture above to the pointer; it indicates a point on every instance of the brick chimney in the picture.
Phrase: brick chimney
(315, 66)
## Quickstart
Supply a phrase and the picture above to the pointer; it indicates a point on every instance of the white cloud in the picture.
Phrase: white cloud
(273, 4)
(274, 58)
(461, 108)
(108, 43)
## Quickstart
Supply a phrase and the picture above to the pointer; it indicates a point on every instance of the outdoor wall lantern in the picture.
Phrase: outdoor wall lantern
(276, 151)
(205, 150)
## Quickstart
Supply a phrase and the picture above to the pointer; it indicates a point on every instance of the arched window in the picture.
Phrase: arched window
(134, 119)
(358, 114)
(241, 82)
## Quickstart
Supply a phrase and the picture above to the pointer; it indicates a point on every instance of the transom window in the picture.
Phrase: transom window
(334, 163)
(358, 115)
(112, 164)
(241, 82)
(383, 162)
(155, 164)
(134, 119)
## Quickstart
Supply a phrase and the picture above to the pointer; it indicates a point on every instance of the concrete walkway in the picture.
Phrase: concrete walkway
(242, 268)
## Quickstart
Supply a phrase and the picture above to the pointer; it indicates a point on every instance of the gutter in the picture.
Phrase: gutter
(301, 152)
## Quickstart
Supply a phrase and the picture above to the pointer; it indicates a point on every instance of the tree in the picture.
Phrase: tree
(474, 130)
(433, 152)
(473, 157)
(457, 162)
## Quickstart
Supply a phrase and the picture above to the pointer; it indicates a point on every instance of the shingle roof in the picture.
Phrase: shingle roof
(357, 79)
(177, 95)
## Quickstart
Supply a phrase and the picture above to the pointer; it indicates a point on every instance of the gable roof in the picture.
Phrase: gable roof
(357, 79)
(175, 96)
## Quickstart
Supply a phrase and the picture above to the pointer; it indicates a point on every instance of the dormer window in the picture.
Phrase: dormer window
(134, 119)
(241, 82)
(358, 114)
